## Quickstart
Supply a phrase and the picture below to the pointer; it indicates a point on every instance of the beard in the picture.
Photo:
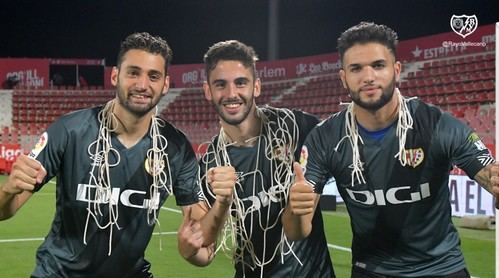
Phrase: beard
(135, 109)
(386, 96)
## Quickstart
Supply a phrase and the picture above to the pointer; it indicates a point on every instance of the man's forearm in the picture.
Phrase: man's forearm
(7, 204)
(484, 177)
(203, 256)
(296, 227)
(213, 221)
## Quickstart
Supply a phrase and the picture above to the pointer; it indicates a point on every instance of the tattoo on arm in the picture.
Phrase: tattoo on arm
(483, 178)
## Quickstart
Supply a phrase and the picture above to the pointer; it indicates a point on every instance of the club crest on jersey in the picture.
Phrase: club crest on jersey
(154, 167)
(414, 157)
(40, 145)
(281, 153)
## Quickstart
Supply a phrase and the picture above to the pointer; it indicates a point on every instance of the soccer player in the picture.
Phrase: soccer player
(115, 165)
(250, 161)
(390, 157)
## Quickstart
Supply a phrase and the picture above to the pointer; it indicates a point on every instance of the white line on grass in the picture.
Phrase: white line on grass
(41, 238)
(171, 209)
(341, 248)
(332, 246)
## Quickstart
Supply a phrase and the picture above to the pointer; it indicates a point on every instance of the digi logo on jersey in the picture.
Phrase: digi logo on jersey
(88, 193)
(394, 195)
(263, 199)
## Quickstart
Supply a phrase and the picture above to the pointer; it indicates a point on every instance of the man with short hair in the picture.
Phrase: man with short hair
(115, 166)
(248, 167)
(390, 157)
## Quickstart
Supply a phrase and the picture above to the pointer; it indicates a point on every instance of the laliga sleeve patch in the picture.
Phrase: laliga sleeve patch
(40, 145)
(475, 139)
(304, 157)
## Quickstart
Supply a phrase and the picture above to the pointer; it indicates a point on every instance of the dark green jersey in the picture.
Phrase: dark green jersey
(261, 215)
(66, 150)
(401, 216)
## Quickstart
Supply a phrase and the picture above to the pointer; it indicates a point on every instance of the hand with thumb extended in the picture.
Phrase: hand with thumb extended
(190, 236)
(302, 195)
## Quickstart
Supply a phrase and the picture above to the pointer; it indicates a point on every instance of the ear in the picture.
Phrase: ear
(207, 91)
(114, 76)
(343, 78)
(258, 87)
(166, 86)
(398, 69)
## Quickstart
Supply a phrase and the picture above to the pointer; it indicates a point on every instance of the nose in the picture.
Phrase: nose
(232, 90)
(142, 82)
(369, 74)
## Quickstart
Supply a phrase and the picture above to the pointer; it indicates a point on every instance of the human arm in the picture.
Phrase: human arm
(190, 237)
(201, 225)
(298, 214)
(488, 178)
(469, 153)
(222, 180)
(19, 186)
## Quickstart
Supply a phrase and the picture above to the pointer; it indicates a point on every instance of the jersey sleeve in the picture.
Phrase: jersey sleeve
(306, 122)
(313, 159)
(186, 188)
(204, 165)
(462, 145)
(49, 150)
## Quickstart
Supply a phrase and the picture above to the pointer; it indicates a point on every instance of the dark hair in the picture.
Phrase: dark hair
(366, 32)
(230, 51)
(147, 42)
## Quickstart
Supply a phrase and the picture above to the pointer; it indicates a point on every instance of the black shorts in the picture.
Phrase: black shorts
(358, 272)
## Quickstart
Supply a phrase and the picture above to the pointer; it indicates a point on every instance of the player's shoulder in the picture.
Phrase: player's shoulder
(78, 119)
(301, 117)
(172, 133)
(336, 119)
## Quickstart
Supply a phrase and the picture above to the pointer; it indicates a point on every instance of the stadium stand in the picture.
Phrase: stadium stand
(463, 85)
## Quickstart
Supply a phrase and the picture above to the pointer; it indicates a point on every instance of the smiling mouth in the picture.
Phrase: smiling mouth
(140, 99)
(232, 105)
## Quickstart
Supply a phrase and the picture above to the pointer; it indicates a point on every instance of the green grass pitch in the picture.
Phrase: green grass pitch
(21, 235)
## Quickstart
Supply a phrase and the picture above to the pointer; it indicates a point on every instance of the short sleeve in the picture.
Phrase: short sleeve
(462, 145)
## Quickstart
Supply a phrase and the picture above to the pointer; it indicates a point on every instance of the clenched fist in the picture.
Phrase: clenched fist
(25, 175)
(222, 180)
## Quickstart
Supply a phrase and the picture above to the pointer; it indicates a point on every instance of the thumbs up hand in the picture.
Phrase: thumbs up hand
(302, 196)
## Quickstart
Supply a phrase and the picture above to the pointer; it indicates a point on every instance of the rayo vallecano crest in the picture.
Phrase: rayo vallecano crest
(154, 167)
(414, 157)
(463, 25)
